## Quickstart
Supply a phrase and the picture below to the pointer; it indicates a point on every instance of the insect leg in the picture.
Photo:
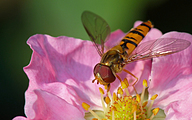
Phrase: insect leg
(95, 80)
(118, 77)
(107, 87)
(132, 75)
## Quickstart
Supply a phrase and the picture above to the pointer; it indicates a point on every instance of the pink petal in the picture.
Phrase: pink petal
(20, 118)
(56, 56)
(50, 107)
(114, 38)
(180, 110)
(172, 74)
(55, 66)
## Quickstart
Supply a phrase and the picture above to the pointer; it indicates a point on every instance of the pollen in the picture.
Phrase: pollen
(123, 106)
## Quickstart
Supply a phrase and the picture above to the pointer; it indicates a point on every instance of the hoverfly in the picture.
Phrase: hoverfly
(128, 50)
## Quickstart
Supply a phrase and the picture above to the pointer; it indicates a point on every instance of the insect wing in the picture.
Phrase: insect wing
(159, 47)
(97, 29)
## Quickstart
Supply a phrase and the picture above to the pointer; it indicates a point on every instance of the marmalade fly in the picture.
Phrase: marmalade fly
(128, 50)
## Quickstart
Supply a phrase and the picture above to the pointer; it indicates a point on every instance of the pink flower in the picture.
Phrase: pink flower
(61, 72)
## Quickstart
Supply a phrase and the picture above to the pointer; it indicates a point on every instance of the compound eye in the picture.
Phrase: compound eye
(105, 73)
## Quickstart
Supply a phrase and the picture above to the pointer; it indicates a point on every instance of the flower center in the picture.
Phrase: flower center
(123, 106)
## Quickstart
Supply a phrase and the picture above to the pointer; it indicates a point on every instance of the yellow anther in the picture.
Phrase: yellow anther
(154, 97)
(145, 103)
(123, 85)
(103, 119)
(155, 111)
(113, 108)
(143, 91)
(145, 83)
(101, 90)
(107, 100)
(94, 119)
(126, 82)
(114, 97)
(85, 106)
(138, 98)
(120, 91)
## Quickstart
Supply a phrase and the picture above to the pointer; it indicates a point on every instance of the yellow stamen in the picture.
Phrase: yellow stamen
(114, 97)
(120, 91)
(127, 92)
(138, 98)
(145, 83)
(109, 94)
(113, 112)
(102, 99)
(145, 103)
(135, 115)
(107, 100)
(87, 107)
(101, 90)
(113, 115)
(151, 104)
(125, 85)
(134, 109)
(152, 116)
(94, 114)
(154, 97)
(126, 82)
(94, 119)
(155, 111)
(143, 91)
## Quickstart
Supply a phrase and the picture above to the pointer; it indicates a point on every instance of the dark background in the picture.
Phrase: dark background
(20, 19)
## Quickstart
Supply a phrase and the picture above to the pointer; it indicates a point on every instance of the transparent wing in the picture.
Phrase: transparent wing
(97, 29)
(159, 47)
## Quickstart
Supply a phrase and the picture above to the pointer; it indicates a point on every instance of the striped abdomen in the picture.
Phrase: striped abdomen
(134, 37)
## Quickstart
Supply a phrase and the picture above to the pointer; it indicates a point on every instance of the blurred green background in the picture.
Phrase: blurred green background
(20, 19)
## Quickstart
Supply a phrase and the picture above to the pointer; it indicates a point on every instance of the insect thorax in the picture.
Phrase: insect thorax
(114, 60)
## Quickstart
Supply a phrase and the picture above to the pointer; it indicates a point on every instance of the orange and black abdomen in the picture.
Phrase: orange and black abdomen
(134, 37)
